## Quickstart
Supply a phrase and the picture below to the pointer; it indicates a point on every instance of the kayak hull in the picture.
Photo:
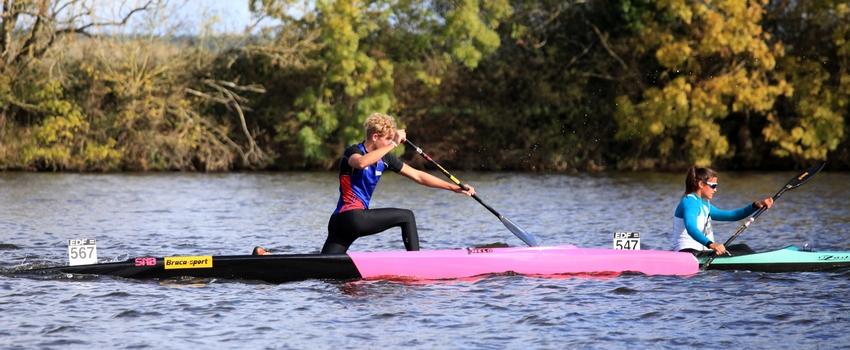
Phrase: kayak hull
(420, 265)
(788, 259)
(456, 263)
(269, 268)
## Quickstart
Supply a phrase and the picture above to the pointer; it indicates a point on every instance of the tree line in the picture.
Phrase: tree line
(547, 85)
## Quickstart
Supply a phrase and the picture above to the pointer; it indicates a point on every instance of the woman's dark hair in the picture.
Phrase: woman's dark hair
(695, 175)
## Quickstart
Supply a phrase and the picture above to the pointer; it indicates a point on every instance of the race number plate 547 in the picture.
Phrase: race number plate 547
(82, 252)
(627, 240)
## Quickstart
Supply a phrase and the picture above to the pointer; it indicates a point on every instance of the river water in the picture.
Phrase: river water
(224, 214)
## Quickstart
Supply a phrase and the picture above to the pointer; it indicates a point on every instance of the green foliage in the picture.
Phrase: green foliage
(817, 127)
(147, 113)
(545, 85)
(358, 66)
(60, 140)
(716, 61)
(811, 124)
(471, 37)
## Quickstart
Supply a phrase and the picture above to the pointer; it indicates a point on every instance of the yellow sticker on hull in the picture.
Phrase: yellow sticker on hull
(188, 262)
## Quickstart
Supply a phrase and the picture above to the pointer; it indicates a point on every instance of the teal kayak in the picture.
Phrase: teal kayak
(788, 259)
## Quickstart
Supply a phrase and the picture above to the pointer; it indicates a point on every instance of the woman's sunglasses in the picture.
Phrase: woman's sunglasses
(713, 185)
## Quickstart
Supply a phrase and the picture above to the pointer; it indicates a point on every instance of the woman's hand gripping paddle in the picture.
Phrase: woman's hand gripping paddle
(795, 182)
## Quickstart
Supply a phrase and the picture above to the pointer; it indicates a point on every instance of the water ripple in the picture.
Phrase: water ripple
(135, 314)
(624, 291)
(182, 214)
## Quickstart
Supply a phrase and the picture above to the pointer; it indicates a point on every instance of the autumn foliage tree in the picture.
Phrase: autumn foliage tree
(544, 85)
(714, 62)
(356, 63)
(812, 122)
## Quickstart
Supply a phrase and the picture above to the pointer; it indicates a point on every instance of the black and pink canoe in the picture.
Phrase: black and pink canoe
(420, 265)
(454, 264)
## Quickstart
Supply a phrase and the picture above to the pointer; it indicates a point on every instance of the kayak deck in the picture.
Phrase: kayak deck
(788, 259)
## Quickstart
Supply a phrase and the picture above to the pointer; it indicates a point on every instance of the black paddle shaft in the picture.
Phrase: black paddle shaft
(795, 182)
(450, 176)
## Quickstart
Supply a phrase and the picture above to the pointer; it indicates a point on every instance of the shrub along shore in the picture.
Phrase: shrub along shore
(483, 85)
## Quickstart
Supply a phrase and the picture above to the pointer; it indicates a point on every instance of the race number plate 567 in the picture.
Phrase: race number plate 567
(82, 252)
(627, 240)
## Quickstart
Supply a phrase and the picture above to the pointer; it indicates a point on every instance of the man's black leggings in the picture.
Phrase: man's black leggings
(345, 227)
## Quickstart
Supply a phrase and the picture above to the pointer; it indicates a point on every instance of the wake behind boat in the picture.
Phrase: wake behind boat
(418, 265)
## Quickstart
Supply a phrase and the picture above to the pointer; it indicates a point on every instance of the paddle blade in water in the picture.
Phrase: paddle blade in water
(524, 236)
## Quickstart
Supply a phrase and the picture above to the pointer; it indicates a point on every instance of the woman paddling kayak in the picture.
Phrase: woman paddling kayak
(360, 169)
(692, 230)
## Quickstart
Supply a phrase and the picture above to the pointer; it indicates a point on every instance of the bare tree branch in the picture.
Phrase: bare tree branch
(293, 52)
(56, 11)
(40, 18)
(233, 101)
(224, 137)
(10, 20)
(35, 40)
(207, 96)
(604, 43)
(252, 88)
(82, 29)
(577, 57)
(598, 75)
(252, 145)
(627, 72)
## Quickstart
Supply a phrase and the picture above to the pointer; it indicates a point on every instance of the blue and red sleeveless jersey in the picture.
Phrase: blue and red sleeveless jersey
(356, 186)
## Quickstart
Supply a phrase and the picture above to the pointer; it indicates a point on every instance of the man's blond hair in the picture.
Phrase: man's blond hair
(379, 123)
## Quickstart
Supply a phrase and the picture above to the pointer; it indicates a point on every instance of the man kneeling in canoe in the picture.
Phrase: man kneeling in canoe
(360, 169)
